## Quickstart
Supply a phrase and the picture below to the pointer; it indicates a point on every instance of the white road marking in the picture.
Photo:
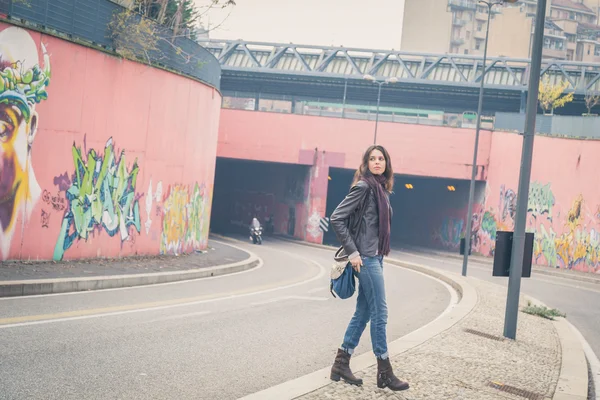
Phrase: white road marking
(178, 316)
(283, 298)
(213, 300)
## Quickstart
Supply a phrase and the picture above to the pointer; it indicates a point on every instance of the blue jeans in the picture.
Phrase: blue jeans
(370, 306)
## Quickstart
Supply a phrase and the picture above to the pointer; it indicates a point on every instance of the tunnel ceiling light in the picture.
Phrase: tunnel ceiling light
(409, 186)
(451, 188)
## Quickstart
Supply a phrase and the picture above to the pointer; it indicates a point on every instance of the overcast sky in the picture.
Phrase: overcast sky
(318, 22)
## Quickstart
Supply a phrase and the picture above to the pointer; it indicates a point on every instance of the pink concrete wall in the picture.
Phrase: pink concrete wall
(416, 149)
(153, 132)
(564, 200)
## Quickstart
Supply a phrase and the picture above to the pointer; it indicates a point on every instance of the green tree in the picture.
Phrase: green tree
(552, 96)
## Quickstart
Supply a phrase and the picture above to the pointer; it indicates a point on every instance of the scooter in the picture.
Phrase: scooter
(256, 235)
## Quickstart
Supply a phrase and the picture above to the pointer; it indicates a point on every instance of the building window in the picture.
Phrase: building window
(468, 35)
(479, 26)
(478, 45)
(597, 51)
(572, 15)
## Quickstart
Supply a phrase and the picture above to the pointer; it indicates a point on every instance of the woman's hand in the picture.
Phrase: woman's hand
(356, 263)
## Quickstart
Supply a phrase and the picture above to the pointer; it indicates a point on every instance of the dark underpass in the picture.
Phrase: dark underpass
(428, 212)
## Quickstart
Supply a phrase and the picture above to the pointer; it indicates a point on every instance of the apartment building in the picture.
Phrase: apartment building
(459, 27)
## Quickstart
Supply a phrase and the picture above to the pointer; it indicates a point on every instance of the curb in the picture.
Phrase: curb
(66, 285)
(535, 269)
(572, 381)
(455, 313)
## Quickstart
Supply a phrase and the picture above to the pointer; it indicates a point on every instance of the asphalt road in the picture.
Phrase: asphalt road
(214, 338)
(579, 300)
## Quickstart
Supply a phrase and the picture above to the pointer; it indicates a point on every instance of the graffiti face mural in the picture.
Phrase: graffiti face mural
(101, 196)
(22, 85)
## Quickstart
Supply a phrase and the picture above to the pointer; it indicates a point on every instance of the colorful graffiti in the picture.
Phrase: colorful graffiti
(312, 227)
(102, 195)
(450, 233)
(22, 85)
(186, 219)
(572, 242)
(541, 200)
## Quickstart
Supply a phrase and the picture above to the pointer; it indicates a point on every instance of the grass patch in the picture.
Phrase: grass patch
(543, 312)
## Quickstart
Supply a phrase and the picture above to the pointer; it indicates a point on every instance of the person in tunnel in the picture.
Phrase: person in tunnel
(362, 223)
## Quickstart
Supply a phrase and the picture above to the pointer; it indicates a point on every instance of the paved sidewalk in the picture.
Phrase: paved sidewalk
(216, 254)
(22, 278)
(460, 365)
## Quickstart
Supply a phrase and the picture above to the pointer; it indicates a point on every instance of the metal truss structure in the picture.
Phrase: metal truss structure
(410, 67)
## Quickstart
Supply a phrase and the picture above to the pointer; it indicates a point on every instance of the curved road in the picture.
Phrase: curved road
(214, 338)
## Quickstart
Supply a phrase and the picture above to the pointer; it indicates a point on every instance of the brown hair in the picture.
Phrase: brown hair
(364, 167)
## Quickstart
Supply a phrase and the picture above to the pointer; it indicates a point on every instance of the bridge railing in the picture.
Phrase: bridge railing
(353, 63)
(88, 21)
(364, 111)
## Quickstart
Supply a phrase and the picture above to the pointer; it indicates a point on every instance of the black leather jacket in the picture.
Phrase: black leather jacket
(345, 222)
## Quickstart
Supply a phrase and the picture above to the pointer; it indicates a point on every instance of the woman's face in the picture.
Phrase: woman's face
(376, 162)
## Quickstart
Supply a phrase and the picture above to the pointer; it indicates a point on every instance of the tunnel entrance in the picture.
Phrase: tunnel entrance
(272, 192)
(428, 212)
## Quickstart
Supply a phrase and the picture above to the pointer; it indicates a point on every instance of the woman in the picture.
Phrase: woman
(366, 239)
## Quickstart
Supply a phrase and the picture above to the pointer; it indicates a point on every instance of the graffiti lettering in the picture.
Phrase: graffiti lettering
(63, 182)
(575, 248)
(102, 195)
(313, 225)
(45, 219)
(508, 203)
(450, 233)
(541, 200)
(57, 202)
(185, 223)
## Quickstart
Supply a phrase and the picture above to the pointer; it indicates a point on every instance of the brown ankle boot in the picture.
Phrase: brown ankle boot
(341, 369)
(386, 377)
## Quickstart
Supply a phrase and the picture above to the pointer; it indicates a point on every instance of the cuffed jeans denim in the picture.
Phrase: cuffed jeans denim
(370, 306)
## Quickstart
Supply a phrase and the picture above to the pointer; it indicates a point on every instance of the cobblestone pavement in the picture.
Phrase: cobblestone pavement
(216, 254)
(461, 365)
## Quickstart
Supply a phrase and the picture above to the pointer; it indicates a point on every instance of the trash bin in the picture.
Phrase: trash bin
(503, 253)
(462, 246)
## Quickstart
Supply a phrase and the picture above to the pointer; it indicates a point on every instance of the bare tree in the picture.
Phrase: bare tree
(592, 98)
(139, 31)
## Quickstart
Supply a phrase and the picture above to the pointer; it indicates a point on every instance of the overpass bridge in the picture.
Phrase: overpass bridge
(449, 81)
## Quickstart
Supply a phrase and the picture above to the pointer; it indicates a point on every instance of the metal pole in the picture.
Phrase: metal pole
(518, 248)
(377, 115)
(474, 168)
(344, 101)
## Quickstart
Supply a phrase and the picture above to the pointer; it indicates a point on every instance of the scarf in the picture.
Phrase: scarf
(377, 183)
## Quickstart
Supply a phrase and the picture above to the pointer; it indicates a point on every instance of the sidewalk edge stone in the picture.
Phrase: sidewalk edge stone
(66, 285)
(573, 379)
(455, 313)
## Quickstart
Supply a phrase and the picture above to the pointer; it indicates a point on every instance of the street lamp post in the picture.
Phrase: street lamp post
(518, 247)
(380, 83)
(490, 5)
